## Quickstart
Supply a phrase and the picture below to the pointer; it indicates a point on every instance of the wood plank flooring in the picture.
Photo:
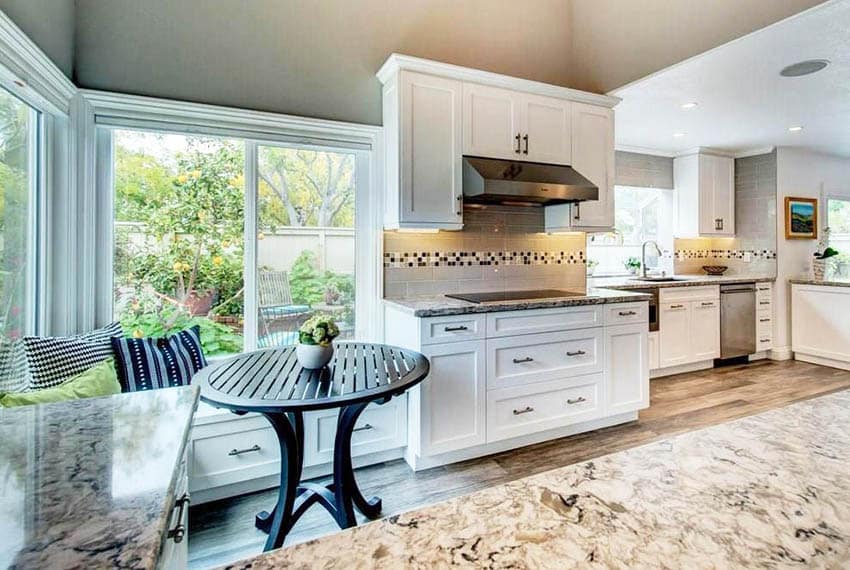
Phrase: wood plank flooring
(223, 531)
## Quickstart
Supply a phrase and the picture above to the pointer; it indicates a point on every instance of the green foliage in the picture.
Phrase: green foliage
(827, 253)
(632, 263)
(318, 329)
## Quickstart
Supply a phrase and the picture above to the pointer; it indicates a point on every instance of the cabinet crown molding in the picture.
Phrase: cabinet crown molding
(398, 62)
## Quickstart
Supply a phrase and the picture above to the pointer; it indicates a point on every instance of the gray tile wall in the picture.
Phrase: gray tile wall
(643, 170)
(500, 248)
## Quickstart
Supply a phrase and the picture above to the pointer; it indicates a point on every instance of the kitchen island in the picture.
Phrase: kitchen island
(765, 491)
(93, 483)
(820, 329)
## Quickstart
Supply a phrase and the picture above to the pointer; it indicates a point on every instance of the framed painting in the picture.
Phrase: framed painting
(801, 218)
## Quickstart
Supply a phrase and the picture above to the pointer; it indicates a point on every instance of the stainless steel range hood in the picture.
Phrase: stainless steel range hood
(495, 181)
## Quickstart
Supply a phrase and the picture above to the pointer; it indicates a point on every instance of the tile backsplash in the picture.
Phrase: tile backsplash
(500, 248)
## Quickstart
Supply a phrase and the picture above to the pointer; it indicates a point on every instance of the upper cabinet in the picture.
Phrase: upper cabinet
(435, 113)
(592, 156)
(705, 195)
(501, 123)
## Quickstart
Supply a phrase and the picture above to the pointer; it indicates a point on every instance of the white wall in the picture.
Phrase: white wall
(799, 173)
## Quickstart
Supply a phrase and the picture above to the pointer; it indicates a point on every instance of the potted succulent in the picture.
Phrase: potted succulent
(314, 348)
(632, 265)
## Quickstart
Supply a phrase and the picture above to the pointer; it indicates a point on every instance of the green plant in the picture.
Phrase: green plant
(632, 263)
(318, 329)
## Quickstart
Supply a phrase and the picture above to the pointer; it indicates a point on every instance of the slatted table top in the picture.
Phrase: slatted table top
(272, 380)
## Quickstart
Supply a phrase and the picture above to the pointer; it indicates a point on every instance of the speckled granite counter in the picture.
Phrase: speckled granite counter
(687, 281)
(824, 283)
(441, 306)
(767, 491)
(90, 483)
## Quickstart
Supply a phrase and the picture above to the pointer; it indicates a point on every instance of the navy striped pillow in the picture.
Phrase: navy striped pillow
(151, 363)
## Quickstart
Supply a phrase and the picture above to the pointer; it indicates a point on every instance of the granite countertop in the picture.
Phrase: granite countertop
(766, 491)
(815, 282)
(90, 483)
(442, 306)
(688, 281)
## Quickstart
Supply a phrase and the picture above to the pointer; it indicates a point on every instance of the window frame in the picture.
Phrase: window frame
(116, 111)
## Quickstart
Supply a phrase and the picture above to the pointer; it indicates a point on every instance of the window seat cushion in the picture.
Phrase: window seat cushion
(151, 363)
(99, 380)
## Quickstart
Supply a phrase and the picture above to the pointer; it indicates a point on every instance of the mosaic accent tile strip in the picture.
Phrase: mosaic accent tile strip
(470, 258)
(724, 253)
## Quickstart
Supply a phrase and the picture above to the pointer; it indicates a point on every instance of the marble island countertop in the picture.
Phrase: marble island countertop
(442, 306)
(682, 281)
(91, 483)
(767, 491)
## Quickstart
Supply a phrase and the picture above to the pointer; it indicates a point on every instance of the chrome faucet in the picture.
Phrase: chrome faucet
(643, 255)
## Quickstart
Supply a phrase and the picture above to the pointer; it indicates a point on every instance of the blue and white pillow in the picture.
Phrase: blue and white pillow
(54, 359)
(151, 363)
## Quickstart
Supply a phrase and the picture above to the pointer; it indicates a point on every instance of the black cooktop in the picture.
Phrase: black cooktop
(497, 296)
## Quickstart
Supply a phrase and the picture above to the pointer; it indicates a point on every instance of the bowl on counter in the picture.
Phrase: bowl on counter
(715, 270)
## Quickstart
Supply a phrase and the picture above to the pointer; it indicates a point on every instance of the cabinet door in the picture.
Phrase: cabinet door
(546, 129)
(431, 161)
(593, 157)
(724, 194)
(453, 398)
(674, 328)
(627, 374)
(491, 122)
(654, 350)
(705, 330)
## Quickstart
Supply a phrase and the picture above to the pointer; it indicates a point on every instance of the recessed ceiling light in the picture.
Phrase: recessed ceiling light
(795, 129)
(691, 105)
(679, 135)
(804, 68)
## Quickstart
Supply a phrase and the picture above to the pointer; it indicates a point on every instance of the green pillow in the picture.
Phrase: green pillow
(99, 380)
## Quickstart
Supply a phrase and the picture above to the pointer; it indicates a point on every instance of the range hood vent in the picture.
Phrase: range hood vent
(495, 181)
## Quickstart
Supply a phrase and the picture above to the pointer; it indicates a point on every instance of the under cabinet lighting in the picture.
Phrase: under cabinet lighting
(795, 129)
(418, 230)
(690, 105)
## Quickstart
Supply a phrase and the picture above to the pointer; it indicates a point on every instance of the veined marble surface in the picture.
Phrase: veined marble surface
(767, 491)
(90, 483)
(687, 281)
(442, 306)
(815, 282)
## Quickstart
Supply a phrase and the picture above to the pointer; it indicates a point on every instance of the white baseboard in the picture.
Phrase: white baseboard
(418, 463)
(780, 353)
(831, 362)
(758, 356)
(681, 369)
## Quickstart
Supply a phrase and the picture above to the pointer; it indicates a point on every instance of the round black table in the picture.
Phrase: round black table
(272, 382)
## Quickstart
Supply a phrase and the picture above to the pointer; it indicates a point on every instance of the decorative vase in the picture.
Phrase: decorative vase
(312, 356)
(819, 269)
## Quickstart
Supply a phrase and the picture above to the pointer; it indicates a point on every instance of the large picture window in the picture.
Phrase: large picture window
(19, 174)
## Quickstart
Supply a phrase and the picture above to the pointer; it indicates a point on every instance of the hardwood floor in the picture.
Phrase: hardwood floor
(223, 531)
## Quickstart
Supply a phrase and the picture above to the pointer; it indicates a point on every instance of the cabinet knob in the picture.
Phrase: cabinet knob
(525, 410)
(525, 138)
(517, 149)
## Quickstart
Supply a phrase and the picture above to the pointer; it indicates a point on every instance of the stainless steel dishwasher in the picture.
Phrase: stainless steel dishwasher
(737, 320)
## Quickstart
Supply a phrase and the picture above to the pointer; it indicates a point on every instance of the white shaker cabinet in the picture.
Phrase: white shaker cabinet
(705, 195)
(422, 124)
(705, 330)
(675, 326)
(592, 156)
(627, 354)
(547, 129)
(689, 325)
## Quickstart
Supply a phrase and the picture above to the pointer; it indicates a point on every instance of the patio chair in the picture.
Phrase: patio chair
(279, 316)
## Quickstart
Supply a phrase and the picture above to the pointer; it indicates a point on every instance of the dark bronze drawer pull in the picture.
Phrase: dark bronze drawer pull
(765, 340)
(627, 313)
(708, 304)
(364, 428)
(455, 329)
(521, 360)
(178, 533)
(578, 400)
(764, 320)
(764, 302)
(576, 353)
(251, 449)
(523, 411)
(677, 306)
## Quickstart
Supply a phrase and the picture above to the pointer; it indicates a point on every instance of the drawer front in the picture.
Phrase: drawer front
(510, 323)
(764, 302)
(437, 330)
(673, 294)
(517, 411)
(378, 428)
(627, 314)
(764, 330)
(514, 361)
(228, 458)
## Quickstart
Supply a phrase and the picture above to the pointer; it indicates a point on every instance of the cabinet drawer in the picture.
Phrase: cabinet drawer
(514, 361)
(626, 314)
(674, 294)
(764, 302)
(378, 428)
(226, 458)
(543, 320)
(437, 330)
(521, 410)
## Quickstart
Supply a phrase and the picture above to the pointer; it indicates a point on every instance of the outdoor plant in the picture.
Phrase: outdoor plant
(318, 330)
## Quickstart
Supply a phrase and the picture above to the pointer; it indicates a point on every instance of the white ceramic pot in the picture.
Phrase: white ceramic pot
(314, 356)
(819, 269)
